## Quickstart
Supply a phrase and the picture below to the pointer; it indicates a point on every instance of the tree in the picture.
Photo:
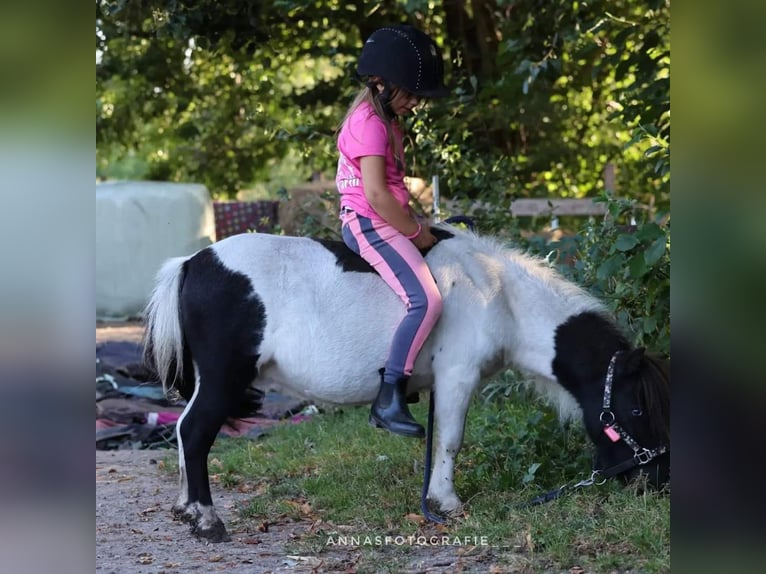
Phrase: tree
(547, 92)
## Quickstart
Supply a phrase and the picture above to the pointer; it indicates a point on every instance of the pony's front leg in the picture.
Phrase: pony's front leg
(453, 393)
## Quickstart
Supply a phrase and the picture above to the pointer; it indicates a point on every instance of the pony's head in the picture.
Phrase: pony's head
(632, 435)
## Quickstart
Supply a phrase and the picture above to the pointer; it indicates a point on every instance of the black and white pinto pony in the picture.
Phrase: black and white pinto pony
(312, 319)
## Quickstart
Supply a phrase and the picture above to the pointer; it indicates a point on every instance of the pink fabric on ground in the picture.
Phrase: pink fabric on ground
(166, 418)
(240, 427)
(102, 424)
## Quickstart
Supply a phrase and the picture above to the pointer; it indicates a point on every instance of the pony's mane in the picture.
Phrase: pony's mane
(533, 267)
(655, 394)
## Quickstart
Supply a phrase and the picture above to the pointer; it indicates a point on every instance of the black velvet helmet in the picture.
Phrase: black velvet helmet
(405, 57)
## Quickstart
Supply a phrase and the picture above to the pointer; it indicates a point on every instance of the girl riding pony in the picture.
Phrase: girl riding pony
(401, 66)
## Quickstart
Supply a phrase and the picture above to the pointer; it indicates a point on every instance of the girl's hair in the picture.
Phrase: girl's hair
(366, 95)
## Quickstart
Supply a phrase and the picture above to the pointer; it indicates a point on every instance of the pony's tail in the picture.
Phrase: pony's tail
(163, 339)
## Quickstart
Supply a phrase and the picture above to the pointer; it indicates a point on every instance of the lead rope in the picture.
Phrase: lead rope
(596, 478)
(431, 517)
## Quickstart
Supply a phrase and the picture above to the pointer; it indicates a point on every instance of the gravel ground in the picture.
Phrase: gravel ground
(135, 532)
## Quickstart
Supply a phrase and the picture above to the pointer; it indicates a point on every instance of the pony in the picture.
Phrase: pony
(310, 318)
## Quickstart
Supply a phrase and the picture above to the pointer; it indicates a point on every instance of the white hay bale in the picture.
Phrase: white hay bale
(139, 224)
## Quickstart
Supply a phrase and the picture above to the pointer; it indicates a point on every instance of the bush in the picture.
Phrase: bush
(626, 263)
(521, 441)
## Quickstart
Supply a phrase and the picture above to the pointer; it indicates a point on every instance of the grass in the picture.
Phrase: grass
(353, 480)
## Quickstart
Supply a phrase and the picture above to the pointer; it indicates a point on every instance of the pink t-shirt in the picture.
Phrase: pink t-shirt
(364, 133)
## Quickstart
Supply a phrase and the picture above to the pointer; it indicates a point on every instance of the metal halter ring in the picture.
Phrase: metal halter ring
(594, 476)
(602, 418)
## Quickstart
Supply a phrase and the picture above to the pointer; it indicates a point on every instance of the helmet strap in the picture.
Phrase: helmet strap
(384, 97)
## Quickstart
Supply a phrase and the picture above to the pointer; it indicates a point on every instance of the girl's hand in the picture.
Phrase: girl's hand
(425, 238)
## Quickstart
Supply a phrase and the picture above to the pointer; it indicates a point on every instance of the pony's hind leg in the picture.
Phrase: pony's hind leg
(201, 422)
(213, 400)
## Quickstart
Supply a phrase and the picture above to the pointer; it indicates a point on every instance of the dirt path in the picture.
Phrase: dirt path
(136, 534)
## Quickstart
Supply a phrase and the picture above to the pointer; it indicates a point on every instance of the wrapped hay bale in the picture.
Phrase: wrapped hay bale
(139, 224)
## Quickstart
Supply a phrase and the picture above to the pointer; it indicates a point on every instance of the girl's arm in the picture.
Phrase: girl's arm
(373, 168)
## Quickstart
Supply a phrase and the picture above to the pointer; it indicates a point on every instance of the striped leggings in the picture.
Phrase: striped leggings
(403, 268)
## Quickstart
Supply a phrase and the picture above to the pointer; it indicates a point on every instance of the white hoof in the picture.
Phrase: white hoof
(449, 506)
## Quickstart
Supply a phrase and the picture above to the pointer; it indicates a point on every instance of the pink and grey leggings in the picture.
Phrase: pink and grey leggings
(402, 267)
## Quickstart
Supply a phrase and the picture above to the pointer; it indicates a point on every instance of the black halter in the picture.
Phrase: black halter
(615, 432)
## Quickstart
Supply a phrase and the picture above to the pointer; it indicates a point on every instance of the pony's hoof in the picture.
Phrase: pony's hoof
(432, 514)
(444, 511)
(215, 533)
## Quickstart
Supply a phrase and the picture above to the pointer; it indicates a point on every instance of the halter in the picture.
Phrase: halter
(615, 432)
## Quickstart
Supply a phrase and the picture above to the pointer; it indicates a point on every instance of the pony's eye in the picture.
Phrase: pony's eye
(637, 412)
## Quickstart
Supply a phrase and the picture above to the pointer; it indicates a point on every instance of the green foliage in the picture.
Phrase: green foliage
(216, 93)
(530, 447)
(545, 94)
(626, 266)
(569, 92)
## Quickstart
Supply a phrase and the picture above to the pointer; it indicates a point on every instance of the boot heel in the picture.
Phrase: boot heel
(390, 412)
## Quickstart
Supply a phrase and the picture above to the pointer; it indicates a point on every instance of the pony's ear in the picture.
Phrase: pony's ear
(633, 360)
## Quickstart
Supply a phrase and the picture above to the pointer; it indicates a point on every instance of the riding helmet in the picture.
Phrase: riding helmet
(406, 57)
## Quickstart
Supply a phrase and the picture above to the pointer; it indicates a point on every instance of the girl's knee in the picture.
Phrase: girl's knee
(435, 306)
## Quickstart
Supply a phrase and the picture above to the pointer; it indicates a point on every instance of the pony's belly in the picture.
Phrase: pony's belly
(342, 387)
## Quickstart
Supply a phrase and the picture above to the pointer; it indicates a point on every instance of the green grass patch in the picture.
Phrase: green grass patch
(363, 482)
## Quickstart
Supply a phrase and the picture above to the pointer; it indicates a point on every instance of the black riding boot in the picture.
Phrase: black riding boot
(389, 411)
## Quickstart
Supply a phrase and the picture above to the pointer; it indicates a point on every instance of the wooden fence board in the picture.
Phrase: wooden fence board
(558, 207)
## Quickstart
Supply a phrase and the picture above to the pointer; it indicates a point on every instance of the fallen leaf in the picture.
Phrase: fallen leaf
(528, 541)
(314, 525)
(416, 518)
(215, 462)
(263, 526)
(308, 560)
(302, 506)
(216, 558)
(145, 559)
(468, 550)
